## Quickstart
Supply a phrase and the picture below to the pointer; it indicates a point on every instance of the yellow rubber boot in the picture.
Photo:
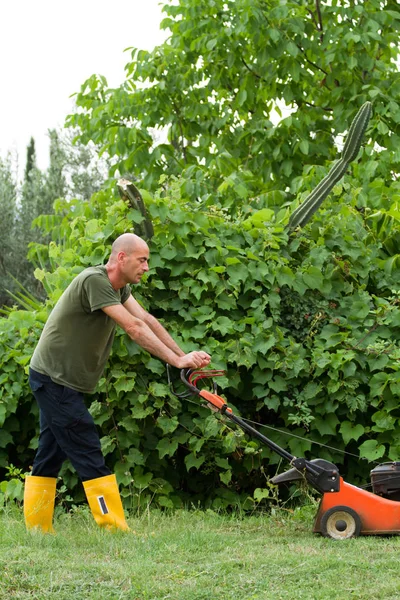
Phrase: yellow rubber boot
(39, 497)
(105, 502)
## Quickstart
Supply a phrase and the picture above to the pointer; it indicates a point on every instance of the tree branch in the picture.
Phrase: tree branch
(321, 28)
(251, 70)
(317, 22)
(181, 132)
(326, 108)
(310, 62)
(313, 17)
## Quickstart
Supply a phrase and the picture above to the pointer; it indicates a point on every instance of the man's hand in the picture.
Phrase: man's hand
(193, 360)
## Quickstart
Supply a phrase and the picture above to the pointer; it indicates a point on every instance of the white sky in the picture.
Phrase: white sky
(49, 48)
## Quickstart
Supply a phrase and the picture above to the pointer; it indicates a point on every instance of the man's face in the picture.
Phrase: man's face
(136, 263)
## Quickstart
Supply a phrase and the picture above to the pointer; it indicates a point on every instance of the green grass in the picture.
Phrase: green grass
(194, 556)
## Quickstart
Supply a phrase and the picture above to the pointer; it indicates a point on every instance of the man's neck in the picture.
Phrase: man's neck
(116, 280)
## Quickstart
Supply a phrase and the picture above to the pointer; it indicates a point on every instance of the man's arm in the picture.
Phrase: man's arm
(142, 334)
(137, 311)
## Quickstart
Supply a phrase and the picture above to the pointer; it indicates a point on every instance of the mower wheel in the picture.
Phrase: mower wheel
(340, 523)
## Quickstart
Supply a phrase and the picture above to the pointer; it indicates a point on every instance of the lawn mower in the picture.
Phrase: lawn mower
(345, 511)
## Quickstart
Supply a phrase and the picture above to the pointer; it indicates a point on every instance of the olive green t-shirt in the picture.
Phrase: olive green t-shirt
(77, 338)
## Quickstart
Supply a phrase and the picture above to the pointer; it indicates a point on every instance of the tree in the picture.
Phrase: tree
(84, 170)
(30, 157)
(55, 183)
(214, 90)
(75, 171)
(8, 211)
(32, 199)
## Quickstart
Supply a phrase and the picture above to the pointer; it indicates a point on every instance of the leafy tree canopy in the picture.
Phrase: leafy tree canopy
(210, 103)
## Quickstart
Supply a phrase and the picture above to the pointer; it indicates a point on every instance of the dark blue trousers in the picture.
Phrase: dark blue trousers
(67, 430)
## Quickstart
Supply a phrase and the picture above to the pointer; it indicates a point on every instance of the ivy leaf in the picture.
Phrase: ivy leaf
(139, 412)
(372, 450)
(166, 447)
(107, 444)
(212, 427)
(332, 336)
(196, 444)
(278, 384)
(223, 324)
(350, 431)
(130, 424)
(124, 384)
(261, 494)
(263, 344)
(135, 457)
(285, 276)
(15, 489)
(378, 383)
(313, 278)
(383, 421)
(311, 390)
(140, 479)
(272, 402)
(230, 442)
(167, 424)
(159, 389)
(191, 460)
(327, 425)
(225, 476)
(237, 273)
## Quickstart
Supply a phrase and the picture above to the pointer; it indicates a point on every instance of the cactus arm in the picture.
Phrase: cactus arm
(305, 211)
(310, 205)
(356, 132)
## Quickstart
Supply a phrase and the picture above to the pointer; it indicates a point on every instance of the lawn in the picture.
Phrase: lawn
(193, 555)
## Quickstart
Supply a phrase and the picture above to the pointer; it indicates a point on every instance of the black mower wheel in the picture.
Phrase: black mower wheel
(340, 523)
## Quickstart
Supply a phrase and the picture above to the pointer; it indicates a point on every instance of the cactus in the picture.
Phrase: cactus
(129, 192)
(310, 205)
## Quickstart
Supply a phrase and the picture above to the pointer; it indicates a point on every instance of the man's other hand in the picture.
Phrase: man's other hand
(193, 360)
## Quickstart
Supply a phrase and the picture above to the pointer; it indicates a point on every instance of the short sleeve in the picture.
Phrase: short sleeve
(100, 293)
(125, 294)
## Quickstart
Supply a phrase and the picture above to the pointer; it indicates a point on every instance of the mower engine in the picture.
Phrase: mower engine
(385, 479)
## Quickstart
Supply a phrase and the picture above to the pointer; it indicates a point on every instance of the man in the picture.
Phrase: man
(69, 361)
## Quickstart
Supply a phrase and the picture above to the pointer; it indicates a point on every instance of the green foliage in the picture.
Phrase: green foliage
(307, 325)
(308, 331)
(12, 488)
(244, 94)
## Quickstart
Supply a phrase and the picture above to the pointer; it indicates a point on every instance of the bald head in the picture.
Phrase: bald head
(129, 260)
(128, 243)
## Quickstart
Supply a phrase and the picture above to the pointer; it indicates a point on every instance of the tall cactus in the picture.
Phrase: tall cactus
(310, 205)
